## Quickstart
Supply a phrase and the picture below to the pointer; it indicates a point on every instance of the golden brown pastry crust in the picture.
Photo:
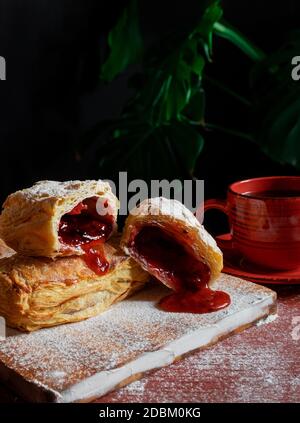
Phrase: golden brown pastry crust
(41, 292)
(5, 250)
(30, 217)
(175, 219)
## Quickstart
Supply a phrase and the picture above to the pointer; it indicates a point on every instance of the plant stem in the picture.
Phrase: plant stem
(229, 131)
(227, 90)
(239, 40)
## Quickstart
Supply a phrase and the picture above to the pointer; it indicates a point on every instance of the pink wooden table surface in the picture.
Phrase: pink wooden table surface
(261, 364)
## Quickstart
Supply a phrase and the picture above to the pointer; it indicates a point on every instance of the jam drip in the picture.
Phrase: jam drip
(95, 258)
(170, 262)
(84, 227)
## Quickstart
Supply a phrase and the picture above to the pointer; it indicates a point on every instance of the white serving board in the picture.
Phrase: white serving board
(85, 360)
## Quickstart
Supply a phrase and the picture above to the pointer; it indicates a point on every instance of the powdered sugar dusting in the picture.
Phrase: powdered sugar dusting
(266, 320)
(56, 189)
(177, 210)
(137, 387)
(258, 365)
(61, 356)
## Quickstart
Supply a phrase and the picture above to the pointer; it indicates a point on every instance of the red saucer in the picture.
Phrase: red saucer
(236, 265)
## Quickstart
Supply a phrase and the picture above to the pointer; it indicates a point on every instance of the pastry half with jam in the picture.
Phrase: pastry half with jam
(40, 292)
(167, 240)
(52, 219)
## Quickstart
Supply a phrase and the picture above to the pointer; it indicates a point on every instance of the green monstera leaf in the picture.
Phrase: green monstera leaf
(159, 132)
(212, 14)
(277, 104)
(167, 151)
(155, 137)
(125, 42)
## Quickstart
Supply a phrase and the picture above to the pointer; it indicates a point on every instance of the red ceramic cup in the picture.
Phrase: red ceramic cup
(264, 217)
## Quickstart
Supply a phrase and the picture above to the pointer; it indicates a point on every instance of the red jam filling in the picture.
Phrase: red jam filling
(95, 258)
(172, 264)
(83, 226)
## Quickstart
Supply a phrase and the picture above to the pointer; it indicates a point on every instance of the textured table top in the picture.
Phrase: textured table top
(261, 364)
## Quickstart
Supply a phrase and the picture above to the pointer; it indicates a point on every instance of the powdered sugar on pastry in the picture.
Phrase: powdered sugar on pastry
(56, 189)
(176, 210)
(30, 219)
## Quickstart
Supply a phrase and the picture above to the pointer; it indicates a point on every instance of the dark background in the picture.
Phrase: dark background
(53, 50)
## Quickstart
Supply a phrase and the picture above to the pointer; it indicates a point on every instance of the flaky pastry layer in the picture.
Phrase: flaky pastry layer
(41, 292)
(30, 218)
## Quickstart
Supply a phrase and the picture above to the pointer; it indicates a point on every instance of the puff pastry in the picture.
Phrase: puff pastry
(53, 219)
(40, 292)
(168, 241)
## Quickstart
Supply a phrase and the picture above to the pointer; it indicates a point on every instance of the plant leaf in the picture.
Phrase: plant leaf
(194, 111)
(212, 14)
(187, 143)
(276, 109)
(158, 141)
(125, 42)
(172, 79)
(224, 30)
(169, 151)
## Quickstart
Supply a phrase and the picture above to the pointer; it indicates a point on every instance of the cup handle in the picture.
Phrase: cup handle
(215, 204)
(224, 242)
